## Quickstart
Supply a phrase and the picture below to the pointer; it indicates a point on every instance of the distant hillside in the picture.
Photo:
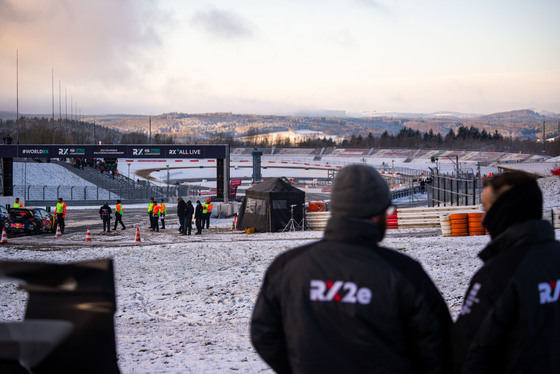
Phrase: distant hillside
(523, 124)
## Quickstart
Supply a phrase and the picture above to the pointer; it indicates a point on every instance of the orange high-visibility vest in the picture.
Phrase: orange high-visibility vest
(209, 208)
(119, 209)
(155, 210)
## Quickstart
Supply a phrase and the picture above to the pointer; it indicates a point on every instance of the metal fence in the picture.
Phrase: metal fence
(69, 193)
(445, 190)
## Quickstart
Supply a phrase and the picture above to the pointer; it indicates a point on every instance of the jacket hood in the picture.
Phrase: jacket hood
(519, 204)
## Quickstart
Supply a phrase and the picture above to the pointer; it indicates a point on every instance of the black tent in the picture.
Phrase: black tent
(267, 206)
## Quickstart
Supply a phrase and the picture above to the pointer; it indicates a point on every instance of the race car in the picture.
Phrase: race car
(5, 221)
(31, 221)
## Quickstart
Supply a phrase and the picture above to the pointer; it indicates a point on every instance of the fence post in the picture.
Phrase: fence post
(474, 192)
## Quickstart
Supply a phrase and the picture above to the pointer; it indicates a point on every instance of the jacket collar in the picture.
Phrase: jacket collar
(352, 230)
(525, 233)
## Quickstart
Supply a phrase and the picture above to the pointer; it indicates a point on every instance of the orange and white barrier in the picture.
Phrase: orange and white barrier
(58, 232)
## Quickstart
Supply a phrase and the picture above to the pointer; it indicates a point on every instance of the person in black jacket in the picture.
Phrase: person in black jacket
(105, 214)
(198, 216)
(181, 213)
(188, 218)
(510, 320)
(345, 304)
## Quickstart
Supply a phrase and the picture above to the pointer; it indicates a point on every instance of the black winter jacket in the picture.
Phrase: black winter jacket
(346, 305)
(510, 321)
(189, 212)
(198, 212)
(181, 208)
(105, 212)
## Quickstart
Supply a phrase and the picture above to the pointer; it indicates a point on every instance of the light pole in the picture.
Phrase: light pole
(128, 172)
(167, 182)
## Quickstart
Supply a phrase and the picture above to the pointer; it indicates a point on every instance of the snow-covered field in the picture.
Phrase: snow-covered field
(184, 303)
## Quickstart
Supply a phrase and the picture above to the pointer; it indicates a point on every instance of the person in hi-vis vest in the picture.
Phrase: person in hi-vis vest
(155, 216)
(60, 213)
(162, 212)
(17, 204)
(118, 215)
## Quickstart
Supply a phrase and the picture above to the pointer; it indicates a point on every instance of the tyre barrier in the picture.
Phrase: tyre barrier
(459, 224)
(445, 224)
(475, 224)
(393, 220)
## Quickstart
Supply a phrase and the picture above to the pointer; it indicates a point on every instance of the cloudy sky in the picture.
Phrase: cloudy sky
(279, 57)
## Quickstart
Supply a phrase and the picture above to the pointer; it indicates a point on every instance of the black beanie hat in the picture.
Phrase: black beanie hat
(519, 204)
(359, 191)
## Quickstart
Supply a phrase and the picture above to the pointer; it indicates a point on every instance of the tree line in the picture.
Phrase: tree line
(63, 131)
(462, 138)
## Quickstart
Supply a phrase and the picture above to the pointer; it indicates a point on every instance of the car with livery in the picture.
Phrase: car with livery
(5, 221)
(31, 221)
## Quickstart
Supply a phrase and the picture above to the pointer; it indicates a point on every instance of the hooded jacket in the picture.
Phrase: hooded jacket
(181, 208)
(346, 305)
(510, 320)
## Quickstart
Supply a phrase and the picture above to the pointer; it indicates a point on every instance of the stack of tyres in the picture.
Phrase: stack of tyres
(475, 224)
(445, 223)
(393, 220)
(459, 224)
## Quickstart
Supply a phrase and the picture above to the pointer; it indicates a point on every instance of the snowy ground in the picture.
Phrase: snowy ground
(184, 303)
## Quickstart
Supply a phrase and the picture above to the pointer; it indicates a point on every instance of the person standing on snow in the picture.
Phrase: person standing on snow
(105, 214)
(162, 213)
(181, 213)
(60, 213)
(150, 212)
(346, 305)
(188, 218)
(510, 320)
(198, 216)
(155, 216)
(208, 207)
(118, 215)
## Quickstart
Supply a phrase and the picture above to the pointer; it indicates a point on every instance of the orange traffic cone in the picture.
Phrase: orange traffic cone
(58, 233)
(137, 239)
(4, 236)
(88, 236)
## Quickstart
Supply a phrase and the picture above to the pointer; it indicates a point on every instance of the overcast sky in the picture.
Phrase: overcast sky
(280, 57)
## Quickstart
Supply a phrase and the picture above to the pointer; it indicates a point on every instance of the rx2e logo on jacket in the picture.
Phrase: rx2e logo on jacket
(549, 291)
(339, 291)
